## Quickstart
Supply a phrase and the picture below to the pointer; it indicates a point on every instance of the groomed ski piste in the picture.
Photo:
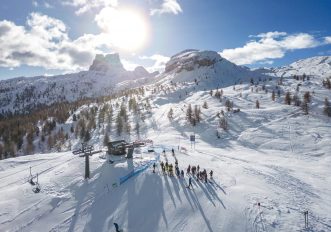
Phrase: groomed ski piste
(269, 167)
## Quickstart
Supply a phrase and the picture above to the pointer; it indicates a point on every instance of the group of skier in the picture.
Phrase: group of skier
(170, 169)
(191, 171)
(200, 175)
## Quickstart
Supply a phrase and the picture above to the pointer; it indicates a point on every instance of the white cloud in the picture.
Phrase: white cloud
(327, 40)
(47, 5)
(44, 42)
(35, 3)
(159, 62)
(84, 6)
(168, 6)
(270, 45)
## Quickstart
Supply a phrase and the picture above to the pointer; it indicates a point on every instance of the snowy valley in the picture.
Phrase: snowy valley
(265, 133)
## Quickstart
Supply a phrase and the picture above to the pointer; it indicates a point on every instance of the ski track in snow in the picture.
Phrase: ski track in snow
(271, 165)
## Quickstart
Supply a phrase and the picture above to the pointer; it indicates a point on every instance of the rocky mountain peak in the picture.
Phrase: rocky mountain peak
(105, 63)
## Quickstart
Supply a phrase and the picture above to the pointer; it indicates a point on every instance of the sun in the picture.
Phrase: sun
(128, 29)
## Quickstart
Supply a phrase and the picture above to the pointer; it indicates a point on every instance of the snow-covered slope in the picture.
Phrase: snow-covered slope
(105, 76)
(271, 165)
(319, 66)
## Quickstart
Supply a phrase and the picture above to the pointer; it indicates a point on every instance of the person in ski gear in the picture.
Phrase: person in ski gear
(193, 170)
(171, 170)
(162, 166)
(117, 228)
(211, 174)
(198, 168)
(177, 172)
(173, 151)
(176, 163)
(206, 178)
(190, 182)
(188, 170)
(154, 165)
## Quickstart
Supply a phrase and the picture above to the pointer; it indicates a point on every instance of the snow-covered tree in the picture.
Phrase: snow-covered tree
(205, 105)
(327, 107)
(257, 104)
(170, 114)
(288, 98)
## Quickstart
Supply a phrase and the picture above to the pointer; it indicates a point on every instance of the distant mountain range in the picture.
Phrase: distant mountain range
(107, 75)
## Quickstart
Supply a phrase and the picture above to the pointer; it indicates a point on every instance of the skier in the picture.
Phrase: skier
(117, 228)
(154, 165)
(173, 151)
(189, 182)
(166, 166)
(172, 170)
(198, 168)
(162, 166)
(211, 174)
(177, 172)
(194, 169)
(176, 163)
(188, 170)
(182, 173)
(163, 151)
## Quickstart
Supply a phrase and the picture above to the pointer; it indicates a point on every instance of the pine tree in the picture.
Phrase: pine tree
(223, 123)
(170, 114)
(327, 107)
(307, 97)
(119, 124)
(228, 104)
(87, 136)
(128, 127)
(205, 105)
(304, 107)
(137, 128)
(189, 113)
(106, 139)
(273, 95)
(50, 142)
(197, 113)
(1, 152)
(288, 98)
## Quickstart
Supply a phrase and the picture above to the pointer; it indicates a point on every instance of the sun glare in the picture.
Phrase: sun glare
(128, 29)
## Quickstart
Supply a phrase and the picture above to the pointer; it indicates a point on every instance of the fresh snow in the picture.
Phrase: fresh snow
(275, 156)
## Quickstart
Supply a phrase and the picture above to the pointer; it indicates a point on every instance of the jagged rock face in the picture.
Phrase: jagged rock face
(191, 59)
(106, 63)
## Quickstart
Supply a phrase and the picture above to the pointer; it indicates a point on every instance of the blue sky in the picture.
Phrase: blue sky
(40, 37)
